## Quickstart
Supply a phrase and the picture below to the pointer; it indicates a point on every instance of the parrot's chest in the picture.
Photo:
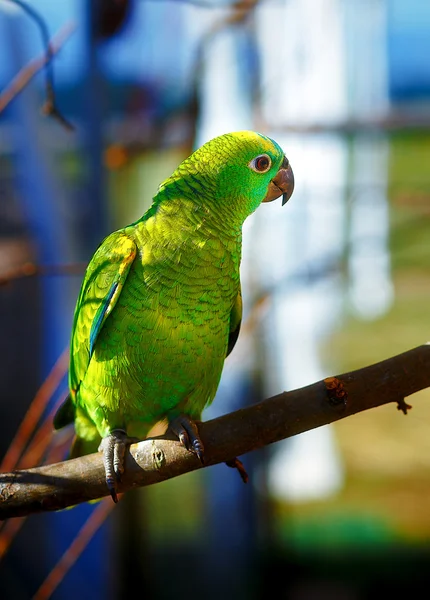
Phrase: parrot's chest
(166, 341)
(173, 349)
(199, 276)
(180, 305)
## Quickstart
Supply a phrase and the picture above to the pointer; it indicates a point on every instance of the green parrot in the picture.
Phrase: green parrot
(160, 305)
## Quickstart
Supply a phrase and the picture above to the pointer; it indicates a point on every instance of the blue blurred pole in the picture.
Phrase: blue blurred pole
(90, 577)
(40, 196)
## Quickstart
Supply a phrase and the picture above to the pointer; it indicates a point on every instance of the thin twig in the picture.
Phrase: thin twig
(43, 439)
(29, 71)
(34, 412)
(71, 555)
(10, 528)
(16, 457)
(8, 533)
(30, 269)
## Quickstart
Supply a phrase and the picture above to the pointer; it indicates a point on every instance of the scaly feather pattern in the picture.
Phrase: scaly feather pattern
(160, 305)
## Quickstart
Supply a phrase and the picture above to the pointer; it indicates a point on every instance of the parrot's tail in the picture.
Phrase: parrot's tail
(65, 414)
(80, 447)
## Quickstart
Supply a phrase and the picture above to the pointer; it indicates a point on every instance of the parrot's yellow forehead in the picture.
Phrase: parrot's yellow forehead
(251, 140)
(266, 143)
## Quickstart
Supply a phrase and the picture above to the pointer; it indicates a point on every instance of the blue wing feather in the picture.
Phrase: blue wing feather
(100, 315)
(103, 282)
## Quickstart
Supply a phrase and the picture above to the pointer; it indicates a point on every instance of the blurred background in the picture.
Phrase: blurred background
(337, 279)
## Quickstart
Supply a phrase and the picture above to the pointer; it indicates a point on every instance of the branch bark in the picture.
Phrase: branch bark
(57, 486)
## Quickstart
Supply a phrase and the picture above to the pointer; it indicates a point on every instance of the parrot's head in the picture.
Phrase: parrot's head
(233, 174)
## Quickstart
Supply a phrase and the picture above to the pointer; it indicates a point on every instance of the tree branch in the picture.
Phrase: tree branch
(57, 486)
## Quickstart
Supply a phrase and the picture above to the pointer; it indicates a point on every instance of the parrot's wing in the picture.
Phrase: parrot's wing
(102, 285)
(235, 321)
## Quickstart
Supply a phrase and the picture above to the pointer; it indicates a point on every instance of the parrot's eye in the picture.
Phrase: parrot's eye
(261, 164)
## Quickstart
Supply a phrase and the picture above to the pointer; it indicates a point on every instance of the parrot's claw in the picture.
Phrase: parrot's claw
(188, 434)
(113, 447)
(235, 463)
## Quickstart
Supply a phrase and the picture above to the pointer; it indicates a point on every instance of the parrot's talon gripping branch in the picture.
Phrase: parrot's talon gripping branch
(111, 485)
(113, 447)
(235, 463)
(188, 434)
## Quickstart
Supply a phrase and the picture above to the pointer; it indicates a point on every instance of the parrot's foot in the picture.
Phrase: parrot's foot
(235, 463)
(113, 447)
(188, 434)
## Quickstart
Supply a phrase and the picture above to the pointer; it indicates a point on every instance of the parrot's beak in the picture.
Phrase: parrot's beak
(282, 184)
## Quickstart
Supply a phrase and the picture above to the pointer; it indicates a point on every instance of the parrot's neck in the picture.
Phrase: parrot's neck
(213, 217)
(181, 224)
(200, 199)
